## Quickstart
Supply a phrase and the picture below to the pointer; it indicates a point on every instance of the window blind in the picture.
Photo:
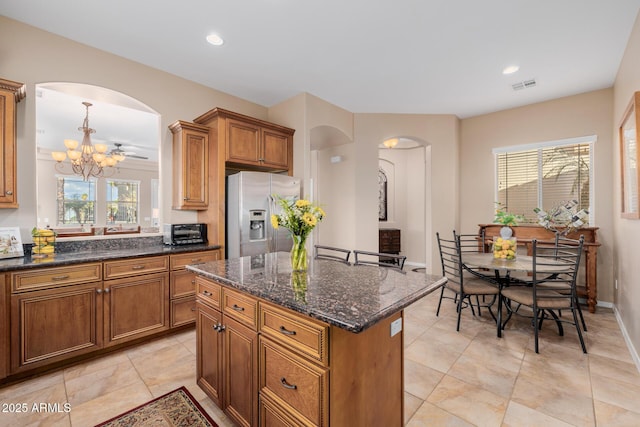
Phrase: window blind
(544, 177)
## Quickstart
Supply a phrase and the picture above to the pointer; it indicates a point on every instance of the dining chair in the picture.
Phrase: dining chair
(379, 258)
(553, 287)
(463, 286)
(331, 253)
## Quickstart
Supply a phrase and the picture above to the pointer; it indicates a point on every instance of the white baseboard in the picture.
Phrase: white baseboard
(632, 349)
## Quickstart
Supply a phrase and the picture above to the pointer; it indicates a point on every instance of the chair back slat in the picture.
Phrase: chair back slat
(331, 253)
(379, 258)
(450, 259)
(548, 274)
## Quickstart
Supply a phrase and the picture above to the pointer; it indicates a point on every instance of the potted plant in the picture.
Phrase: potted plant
(505, 246)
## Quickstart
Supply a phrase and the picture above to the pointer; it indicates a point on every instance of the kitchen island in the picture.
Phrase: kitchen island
(325, 347)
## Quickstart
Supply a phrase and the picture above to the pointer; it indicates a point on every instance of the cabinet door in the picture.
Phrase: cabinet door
(55, 324)
(195, 182)
(243, 142)
(10, 93)
(209, 351)
(276, 149)
(136, 307)
(4, 328)
(240, 373)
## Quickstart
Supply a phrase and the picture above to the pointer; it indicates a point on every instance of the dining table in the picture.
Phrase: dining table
(503, 270)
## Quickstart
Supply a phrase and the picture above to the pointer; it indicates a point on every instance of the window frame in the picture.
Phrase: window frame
(91, 181)
(589, 140)
(107, 201)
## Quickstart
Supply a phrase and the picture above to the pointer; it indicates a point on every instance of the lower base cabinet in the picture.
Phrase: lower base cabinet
(227, 364)
(308, 372)
(136, 307)
(55, 324)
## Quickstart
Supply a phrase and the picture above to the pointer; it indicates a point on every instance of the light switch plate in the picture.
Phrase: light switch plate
(396, 326)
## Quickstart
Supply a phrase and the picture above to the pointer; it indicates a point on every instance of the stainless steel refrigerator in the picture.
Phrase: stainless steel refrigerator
(250, 203)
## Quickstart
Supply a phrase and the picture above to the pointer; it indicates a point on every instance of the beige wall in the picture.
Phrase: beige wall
(32, 56)
(626, 232)
(574, 116)
(441, 134)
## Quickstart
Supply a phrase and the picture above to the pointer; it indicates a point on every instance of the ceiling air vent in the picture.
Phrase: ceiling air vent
(524, 85)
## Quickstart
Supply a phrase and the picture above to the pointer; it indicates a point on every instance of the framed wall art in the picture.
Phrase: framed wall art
(629, 177)
(10, 242)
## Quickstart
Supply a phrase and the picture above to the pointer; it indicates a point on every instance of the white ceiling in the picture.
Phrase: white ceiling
(402, 56)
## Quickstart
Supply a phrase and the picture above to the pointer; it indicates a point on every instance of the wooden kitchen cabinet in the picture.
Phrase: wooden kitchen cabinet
(55, 324)
(239, 142)
(4, 328)
(227, 350)
(252, 144)
(190, 166)
(10, 94)
(135, 307)
(182, 285)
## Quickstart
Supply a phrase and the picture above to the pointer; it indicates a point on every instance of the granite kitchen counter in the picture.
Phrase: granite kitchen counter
(77, 254)
(351, 297)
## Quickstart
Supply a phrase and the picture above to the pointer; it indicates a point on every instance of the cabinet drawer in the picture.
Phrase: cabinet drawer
(183, 283)
(55, 277)
(179, 261)
(240, 307)
(294, 383)
(183, 311)
(295, 332)
(274, 415)
(208, 291)
(128, 268)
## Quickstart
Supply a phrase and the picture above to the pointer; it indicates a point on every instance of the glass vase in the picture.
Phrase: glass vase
(505, 248)
(299, 260)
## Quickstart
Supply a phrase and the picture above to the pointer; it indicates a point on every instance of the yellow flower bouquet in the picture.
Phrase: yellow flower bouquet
(299, 217)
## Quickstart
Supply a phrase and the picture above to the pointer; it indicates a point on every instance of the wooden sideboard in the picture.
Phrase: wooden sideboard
(526, 233)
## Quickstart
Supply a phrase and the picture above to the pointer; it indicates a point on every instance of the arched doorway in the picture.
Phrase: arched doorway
(405, 196)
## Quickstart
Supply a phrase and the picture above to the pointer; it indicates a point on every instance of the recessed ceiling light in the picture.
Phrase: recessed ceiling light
(215, 40)
(510, 69)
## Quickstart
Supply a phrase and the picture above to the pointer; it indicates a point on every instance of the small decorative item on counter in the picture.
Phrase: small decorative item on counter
(299, 217)
(505, 248)
(564, 218)
(44, 241)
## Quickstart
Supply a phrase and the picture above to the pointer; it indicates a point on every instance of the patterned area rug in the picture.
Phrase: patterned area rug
(175, 409)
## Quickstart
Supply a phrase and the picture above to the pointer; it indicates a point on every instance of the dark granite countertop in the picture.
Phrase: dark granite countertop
(79, 255)
(347, 296)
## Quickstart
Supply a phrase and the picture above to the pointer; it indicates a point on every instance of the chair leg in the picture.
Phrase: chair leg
(558, 322)
(459, 313)
(575, 321)
(473, 311)
(478, 303)
(584, 325)
(535, 328)
(440, 302)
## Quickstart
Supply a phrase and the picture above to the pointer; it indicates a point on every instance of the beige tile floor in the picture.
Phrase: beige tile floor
(452, 378)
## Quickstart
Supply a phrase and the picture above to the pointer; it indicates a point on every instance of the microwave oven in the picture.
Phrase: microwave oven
(184, 234)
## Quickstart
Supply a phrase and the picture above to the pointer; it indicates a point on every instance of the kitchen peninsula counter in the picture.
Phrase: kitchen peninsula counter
(351, 297)
(323, 347)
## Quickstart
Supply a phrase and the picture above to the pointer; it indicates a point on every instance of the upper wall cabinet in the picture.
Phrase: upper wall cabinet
(10, 94)
(251, 143)
(190, 166)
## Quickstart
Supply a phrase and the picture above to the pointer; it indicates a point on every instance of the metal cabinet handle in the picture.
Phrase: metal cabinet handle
(196, 259)
(137, 267)
(285, 331)
(106, 291)
(236, 307)
(193, 309)
(9, 193)
(206, 293)
(193, 282)
(64, 276)
(98, 291)
(285, 384)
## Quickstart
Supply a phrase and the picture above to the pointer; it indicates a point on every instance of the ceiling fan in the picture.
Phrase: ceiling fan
(131, 154)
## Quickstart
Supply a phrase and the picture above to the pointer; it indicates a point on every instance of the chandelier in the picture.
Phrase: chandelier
(90, 160)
